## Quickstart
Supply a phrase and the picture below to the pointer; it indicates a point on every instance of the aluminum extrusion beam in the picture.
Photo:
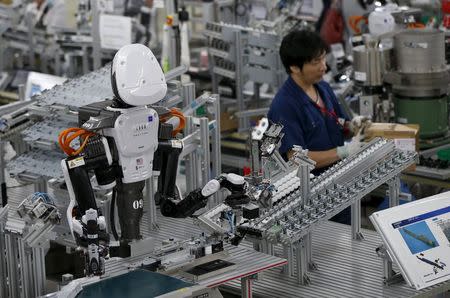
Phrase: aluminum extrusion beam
(342, 186)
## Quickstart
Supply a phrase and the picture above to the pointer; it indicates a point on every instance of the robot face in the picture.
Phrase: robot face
(137, 77)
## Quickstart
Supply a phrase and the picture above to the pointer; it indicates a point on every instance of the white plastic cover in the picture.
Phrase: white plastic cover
(139, 78)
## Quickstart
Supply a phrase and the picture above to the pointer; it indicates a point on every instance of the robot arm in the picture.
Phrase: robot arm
(87, 225)
(198, 198)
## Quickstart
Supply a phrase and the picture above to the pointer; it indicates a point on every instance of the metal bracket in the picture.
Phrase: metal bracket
(313, 265)
(390, 277)
(306, 279)
(359, 236)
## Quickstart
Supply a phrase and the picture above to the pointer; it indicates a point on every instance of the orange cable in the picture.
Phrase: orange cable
(353, 21)
(66, 137)
(176, 113)
(415, 25)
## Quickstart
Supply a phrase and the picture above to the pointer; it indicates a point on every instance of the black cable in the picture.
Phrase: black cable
(125, 8)
(363, 4)
(111, 215)
(4, 194)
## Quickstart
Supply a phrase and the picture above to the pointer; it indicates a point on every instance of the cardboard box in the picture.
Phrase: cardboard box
(406, 137)
(228, 122)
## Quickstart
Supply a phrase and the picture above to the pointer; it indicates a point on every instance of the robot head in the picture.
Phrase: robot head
(136, 77)
(381, 22)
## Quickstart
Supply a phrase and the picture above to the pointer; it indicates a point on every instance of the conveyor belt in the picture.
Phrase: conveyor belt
(37, 163)
(47, 132)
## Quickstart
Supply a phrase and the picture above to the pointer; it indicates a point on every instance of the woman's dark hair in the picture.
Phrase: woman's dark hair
(299, 47)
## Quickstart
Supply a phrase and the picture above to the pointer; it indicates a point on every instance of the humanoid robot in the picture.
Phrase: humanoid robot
(123, 141)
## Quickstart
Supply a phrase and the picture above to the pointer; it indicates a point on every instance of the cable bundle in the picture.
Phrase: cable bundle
(68, 135)
(175, 113)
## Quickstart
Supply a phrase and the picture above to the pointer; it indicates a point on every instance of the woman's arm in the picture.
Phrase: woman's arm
(322, 158)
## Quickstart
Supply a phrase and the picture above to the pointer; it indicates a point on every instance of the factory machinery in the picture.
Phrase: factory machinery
(299, 205)
(280, 206)
(405, 81)
(243, 54)
(63, 46)
(57, 53)
(290, 206)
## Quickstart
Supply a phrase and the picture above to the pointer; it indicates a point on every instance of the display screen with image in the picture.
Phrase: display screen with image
(445, 227)
(418, 237)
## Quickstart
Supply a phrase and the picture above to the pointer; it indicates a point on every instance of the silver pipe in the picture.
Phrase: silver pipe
(206, 157)
(176, 72)
(243, 125)
(30, 278)
(216, 150)
(14, 106)
(24, 281)
(355, 212)
(11, 251)
(288, 251)
(95, 32)
(204, 141)
(188, 161)
(3, 268)
(252, 112)
(196, 161)
(2, 175)
(303, 174)
(394, 190)
(39, 270)
(22, 95)
(301, 262)
(308, 247)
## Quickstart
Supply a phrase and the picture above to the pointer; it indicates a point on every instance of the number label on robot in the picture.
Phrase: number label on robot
(138, 204)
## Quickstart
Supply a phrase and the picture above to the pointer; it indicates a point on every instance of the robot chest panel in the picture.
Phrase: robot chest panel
(137, 132)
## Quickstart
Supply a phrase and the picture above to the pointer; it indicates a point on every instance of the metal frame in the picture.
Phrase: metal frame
(3, 269)
(300, 209)
(231, 51)
(26, 264)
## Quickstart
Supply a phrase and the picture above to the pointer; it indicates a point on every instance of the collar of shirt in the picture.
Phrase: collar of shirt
(298, 94)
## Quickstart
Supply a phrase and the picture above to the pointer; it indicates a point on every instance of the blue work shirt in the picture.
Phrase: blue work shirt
(304, 122)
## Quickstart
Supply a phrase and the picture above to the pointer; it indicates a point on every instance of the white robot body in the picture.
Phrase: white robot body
(135, 133)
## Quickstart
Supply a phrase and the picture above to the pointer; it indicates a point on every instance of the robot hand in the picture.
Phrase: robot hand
(90, 233)
(185, 207)
(269, 134)
(197, 199)
(236, 184)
